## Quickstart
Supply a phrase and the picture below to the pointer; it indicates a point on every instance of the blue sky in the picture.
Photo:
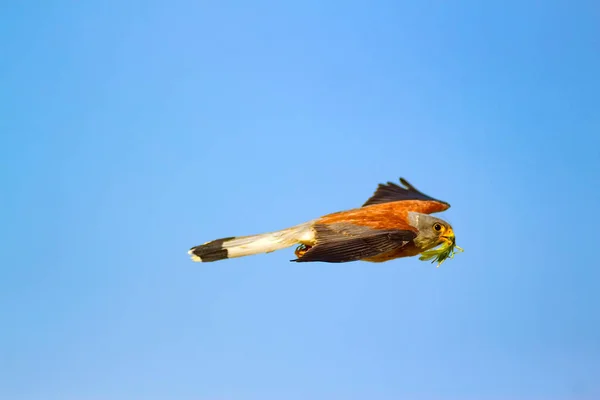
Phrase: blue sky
(132, 131)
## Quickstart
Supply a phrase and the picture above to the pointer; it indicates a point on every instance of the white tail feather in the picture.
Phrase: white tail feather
(242, 246)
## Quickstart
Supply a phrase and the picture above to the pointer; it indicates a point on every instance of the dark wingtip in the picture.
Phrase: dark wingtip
(406, 183)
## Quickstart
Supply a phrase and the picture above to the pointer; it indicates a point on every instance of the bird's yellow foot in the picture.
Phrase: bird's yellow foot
(300, 250)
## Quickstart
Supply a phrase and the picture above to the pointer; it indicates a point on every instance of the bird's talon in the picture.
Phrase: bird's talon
(301, 250)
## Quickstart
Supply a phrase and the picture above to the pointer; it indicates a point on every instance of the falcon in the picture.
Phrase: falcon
(394, 222)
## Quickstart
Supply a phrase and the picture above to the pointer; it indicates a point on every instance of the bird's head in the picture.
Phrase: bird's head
(435, 240)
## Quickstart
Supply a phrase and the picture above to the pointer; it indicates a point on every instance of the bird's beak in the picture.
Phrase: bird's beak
(448, 236)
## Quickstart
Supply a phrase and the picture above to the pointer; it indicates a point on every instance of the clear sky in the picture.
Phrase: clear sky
(134, 130)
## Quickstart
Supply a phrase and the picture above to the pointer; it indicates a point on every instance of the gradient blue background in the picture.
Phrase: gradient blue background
(132, 131)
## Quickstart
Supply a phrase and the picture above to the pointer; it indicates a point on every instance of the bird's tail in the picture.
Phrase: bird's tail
(241, 246)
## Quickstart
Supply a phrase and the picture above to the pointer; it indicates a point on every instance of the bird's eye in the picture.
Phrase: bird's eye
(437, 227)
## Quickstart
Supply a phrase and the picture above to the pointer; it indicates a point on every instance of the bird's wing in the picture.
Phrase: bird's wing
(390, 192)
(344, 242)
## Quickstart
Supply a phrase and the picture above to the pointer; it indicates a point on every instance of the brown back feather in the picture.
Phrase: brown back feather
(383, 216)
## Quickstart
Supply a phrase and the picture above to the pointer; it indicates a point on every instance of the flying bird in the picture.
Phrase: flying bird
(394, 222)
